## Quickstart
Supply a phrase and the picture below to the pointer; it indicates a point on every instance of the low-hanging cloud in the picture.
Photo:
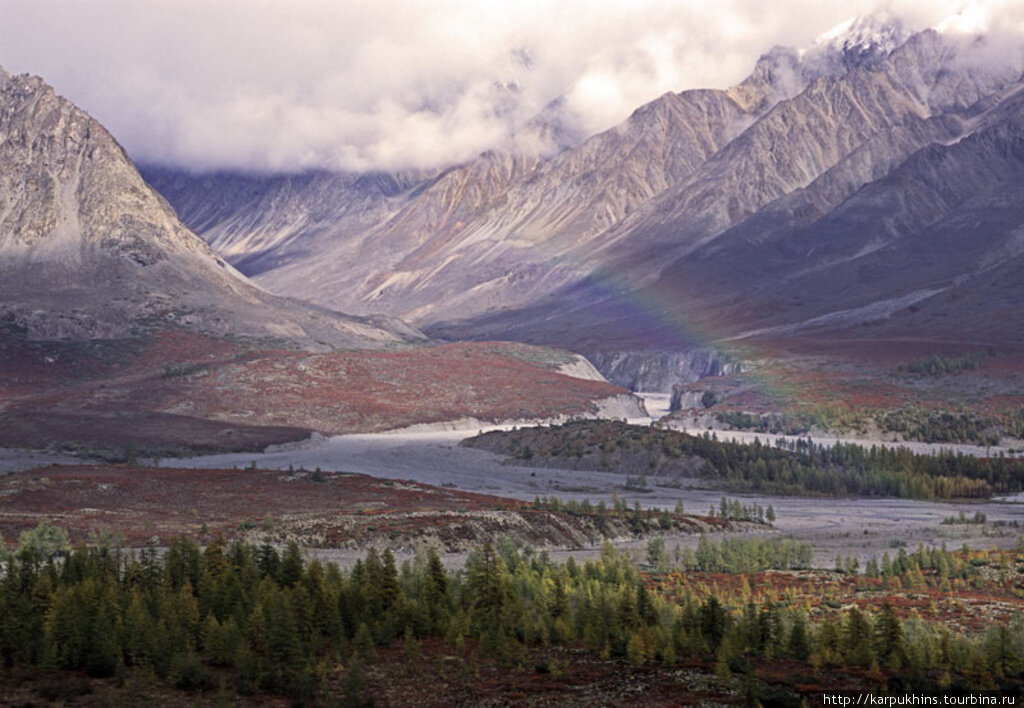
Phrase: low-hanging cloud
(266, 85)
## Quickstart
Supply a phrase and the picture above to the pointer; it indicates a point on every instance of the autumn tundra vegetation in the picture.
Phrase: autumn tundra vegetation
(239, 621)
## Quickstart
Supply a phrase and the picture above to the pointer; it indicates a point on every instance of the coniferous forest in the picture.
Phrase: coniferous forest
(789, 468)
(241, 619)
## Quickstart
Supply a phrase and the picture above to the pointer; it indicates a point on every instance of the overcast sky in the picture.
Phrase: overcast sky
(390, 84)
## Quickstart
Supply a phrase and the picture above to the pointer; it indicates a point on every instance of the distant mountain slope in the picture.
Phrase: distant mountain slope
(832, 187)
(490, 234)
(262, 222)
(89, 250)
(760, 234)
(932, 250)
(942, 231)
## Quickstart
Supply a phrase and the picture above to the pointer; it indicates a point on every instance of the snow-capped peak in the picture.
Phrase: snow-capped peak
(861, 40)
(857, 43)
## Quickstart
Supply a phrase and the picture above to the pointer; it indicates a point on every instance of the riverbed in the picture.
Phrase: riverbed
(858, 527)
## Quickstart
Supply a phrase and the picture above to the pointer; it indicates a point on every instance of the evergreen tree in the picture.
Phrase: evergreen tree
(889, 638)
(857, 638)
(389, 580)
(713, 622)
(485, 572)
(798, 646)
(290, 570)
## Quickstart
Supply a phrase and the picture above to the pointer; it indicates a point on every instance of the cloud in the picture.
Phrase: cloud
(359, 85)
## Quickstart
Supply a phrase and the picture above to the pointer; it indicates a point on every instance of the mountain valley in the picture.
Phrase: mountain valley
(721, 405)
(122, 330)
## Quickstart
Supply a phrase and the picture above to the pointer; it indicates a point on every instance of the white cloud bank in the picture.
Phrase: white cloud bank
(393, 84)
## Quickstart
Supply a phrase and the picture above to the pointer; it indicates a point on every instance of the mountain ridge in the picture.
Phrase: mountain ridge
(557, 249)
(89, 250)
(122, 330)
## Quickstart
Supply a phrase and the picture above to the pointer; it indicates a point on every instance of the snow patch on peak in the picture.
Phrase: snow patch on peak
(884, 29)
(860, 41)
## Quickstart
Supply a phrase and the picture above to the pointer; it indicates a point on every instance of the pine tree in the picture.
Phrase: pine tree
(290, 570)
(485, 573)
(713, 622)
(268, 561)
(139, 628)
(362, 644)
(353, 688)
(857, 638)
(1003, 649)
(828, 640)
(389, 588)
(889, 638)
(798, 646)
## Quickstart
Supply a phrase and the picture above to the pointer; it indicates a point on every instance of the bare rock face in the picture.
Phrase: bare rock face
(260, 222)
(89, 250)
(654, 371)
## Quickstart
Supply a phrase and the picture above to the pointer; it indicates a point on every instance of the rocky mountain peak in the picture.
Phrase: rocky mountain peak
(776, 77)
(89, 250)
(783, 72)
(68, 191)
(860, 41)
(552, 130)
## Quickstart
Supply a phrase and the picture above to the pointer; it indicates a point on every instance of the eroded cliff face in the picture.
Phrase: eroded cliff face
(89, 250)
(658, 371)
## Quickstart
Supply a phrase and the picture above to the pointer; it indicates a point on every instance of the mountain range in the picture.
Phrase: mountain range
(120, 327)
(866, 186)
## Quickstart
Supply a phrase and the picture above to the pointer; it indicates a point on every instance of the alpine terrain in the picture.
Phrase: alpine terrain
(868, 184)
(324, 438)
(120, 327)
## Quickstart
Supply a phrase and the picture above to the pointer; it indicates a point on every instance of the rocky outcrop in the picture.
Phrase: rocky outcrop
(686, 399)
(580, 367)
(621, 407)
(89, 250)
(658, 371)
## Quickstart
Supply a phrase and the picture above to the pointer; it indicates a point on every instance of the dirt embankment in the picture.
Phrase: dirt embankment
(461, 531)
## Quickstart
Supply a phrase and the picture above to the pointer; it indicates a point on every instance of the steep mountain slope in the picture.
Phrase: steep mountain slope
(262, 222)
(497, 232)
(796, 165)
(804, 194)
(929, 246)
(931, 250)
(88, 250)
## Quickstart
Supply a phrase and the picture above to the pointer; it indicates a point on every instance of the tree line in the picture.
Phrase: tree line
(912, 422)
